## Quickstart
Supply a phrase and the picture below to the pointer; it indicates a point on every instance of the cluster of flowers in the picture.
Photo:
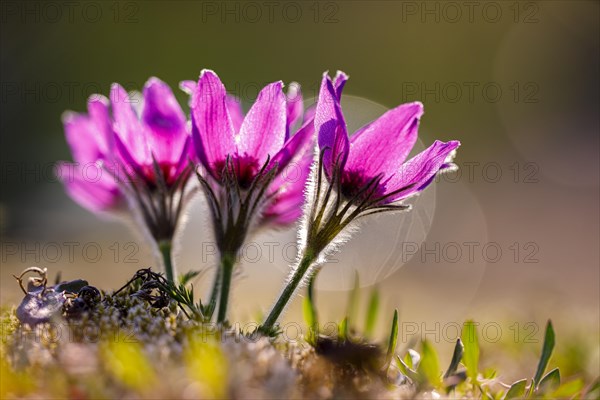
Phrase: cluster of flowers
(272, 166)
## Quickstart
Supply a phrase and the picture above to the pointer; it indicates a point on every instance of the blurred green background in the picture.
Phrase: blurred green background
(516, 82)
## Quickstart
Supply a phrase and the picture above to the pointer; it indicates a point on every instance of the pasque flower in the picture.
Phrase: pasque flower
(153, 150)
(360, 175)
(372, 163)
(144, 158)
(243, 160)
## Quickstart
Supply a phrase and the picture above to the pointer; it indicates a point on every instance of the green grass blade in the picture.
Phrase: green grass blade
(429, 367)
(456, 357)
(343, 329)
(516, 390)
(547, 349)
(372, 312)
(309, 310)
(309, 318)
(393, 341)
(471, 349)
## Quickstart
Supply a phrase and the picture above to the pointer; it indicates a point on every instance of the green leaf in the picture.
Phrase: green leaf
(372, 312)
(412, 358)
(547, 348)
(471, 349)
(456, 357)
(550, 382)
(429, 367)
(516, 390)
(393, 341)
(409, 361)
(406, 370)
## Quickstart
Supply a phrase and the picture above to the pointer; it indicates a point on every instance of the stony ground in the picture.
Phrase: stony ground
(140, 343)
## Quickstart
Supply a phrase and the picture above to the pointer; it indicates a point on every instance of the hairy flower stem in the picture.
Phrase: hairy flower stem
(305, 263)
(226, 267)
(166, 249)
(214, 293)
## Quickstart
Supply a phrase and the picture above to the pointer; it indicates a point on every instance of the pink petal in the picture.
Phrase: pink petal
(212, 128)
(91, 187)
(339, 81)
(330, 127)
(294, 106)
(165, 122)
(288, 189)
(383, 145)
(89, 136)
(419, 171)
(263, 131)
(128, 127)
(298, 144)
(235, 112)
(188, 86)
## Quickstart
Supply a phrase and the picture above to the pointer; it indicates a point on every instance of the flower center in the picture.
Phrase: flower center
(244, 167)
(166, 169)
(354, 183)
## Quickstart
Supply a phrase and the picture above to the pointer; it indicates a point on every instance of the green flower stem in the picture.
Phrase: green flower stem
(166, 249)
(227, 264)
(214, 294)
(288, 291)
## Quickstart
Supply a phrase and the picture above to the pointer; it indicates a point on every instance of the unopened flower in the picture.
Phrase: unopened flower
(243, 159)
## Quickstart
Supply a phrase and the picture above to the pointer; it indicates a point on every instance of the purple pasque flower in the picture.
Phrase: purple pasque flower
(357, 176)
(253, 149)
(90, 138)
(220, 130)
(141, 157)
(367, 173)
(372, 162)
(243, 158)
(153, 152)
